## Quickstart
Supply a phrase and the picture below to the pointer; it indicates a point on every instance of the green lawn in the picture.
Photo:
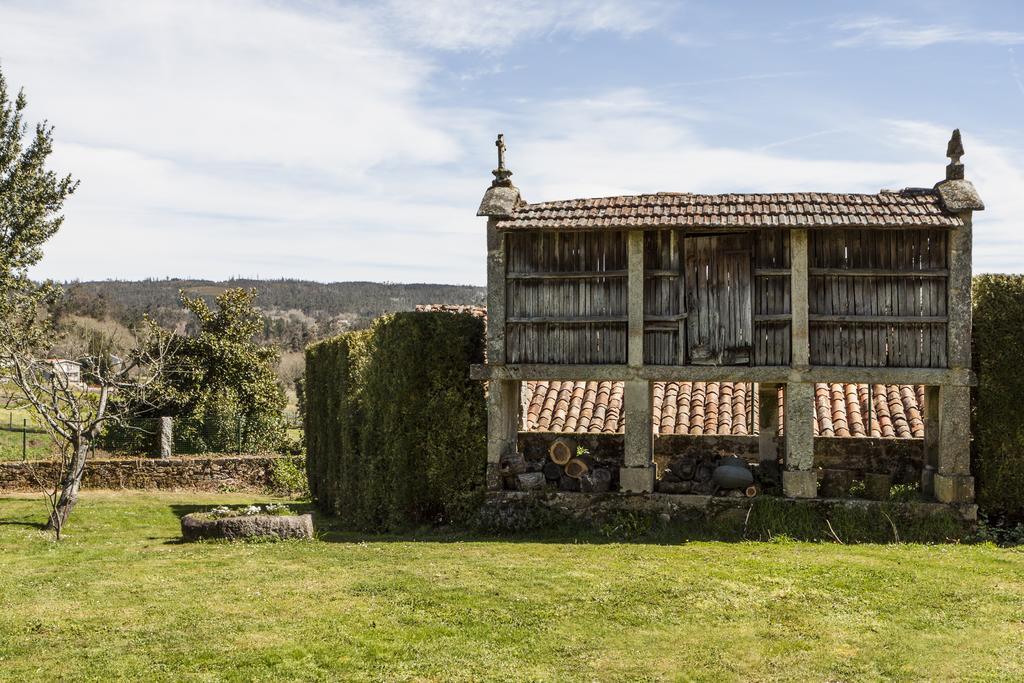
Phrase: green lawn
(122, 599)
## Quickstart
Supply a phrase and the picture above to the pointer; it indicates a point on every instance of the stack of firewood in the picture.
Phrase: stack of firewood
(564, 469)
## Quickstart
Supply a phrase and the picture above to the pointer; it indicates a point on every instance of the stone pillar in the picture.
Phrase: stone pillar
(799, 479)
(931, 440)
(503, 408)
(800, 335)
(496, 294)
(953, 482)
(768, 421)
(635, 308)
(637, 473)
(165, 433)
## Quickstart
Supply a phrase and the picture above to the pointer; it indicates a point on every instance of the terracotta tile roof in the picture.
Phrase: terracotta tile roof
(910, 208)
(706, 408)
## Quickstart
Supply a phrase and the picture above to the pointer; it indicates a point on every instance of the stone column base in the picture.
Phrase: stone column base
(493, 478)
(636, 479)
(800, 484)
(953, 488)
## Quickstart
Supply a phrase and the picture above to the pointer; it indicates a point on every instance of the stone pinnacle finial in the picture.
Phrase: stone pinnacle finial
(501, 174)
(955, 150)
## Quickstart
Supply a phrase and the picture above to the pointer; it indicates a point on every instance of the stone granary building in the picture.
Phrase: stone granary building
(777, 294)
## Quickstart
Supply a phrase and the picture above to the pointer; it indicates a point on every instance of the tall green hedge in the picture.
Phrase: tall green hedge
(999, 398)
(395, 429)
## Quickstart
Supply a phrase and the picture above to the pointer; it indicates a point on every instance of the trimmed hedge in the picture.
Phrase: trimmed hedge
(395, 429)
(998, 424)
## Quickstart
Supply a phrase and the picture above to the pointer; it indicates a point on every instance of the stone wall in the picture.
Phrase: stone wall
(685, 462)
(195, 472)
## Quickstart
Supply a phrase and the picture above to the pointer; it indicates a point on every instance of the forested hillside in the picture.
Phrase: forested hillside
(296, 311)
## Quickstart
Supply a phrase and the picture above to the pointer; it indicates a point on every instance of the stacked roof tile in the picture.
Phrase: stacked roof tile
(722, 408)
(906, 208)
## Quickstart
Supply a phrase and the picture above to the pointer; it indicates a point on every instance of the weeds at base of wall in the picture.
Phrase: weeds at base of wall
(767, 519)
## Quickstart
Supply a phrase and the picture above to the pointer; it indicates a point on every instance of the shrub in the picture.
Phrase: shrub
(395, 429)
(998, 428)
(288, 478)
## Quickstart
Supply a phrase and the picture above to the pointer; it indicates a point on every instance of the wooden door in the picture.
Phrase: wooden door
(718, 299)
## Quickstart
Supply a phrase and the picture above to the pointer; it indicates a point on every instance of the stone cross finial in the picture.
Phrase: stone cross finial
(955, 150)
(501, 174)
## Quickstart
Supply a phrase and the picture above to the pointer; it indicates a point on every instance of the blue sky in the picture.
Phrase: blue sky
(339, 141)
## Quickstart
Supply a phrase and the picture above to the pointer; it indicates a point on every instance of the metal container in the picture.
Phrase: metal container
(732, 473)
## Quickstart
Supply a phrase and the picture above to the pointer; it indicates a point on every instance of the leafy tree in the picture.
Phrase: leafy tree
(222, 387)
(31, 200)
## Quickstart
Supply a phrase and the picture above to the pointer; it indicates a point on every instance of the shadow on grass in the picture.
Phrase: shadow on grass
(768, 520)
(34, 525)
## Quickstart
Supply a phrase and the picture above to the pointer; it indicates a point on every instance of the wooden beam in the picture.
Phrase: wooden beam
(878, 272)
(577, 275)
(799, 328)
(778, 374)
(635, 253)
(880, 319)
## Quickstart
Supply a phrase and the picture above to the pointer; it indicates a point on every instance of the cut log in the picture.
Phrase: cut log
(561, 451)
(531, 481)
(751, 491)
(598, 480)
(577, 467)
(513, 463)
(553, 471)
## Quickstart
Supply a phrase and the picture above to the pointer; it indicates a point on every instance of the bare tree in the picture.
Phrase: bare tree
(74, 413)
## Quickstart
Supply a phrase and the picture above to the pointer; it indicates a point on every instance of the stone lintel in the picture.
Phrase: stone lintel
(725, 373)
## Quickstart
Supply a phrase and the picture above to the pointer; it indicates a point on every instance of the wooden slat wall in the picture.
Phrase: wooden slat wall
(664, 301)
(566, 297)
(866, 289)
(772, 312)
(718, 298)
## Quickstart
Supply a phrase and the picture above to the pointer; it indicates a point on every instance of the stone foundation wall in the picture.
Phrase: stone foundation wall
(685, 462)
(197, 473)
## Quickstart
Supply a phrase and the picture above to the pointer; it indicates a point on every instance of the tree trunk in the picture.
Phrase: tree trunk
(70, 484)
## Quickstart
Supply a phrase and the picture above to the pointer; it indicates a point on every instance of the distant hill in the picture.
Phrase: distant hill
(295, 311)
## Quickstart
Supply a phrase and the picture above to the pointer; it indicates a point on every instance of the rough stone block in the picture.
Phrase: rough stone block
(799, 484)
(636, 479)
(953, 488)
(166, 428)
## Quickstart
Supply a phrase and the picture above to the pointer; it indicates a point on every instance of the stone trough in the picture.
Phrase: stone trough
(199, 526)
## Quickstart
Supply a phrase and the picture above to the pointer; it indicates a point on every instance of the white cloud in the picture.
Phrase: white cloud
(228, 138)
(898, 33)
(498, 24)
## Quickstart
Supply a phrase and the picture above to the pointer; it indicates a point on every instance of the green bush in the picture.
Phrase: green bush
(395, 429)
(998, 428)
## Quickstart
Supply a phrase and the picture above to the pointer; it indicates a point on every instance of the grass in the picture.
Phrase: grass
(121, 598)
